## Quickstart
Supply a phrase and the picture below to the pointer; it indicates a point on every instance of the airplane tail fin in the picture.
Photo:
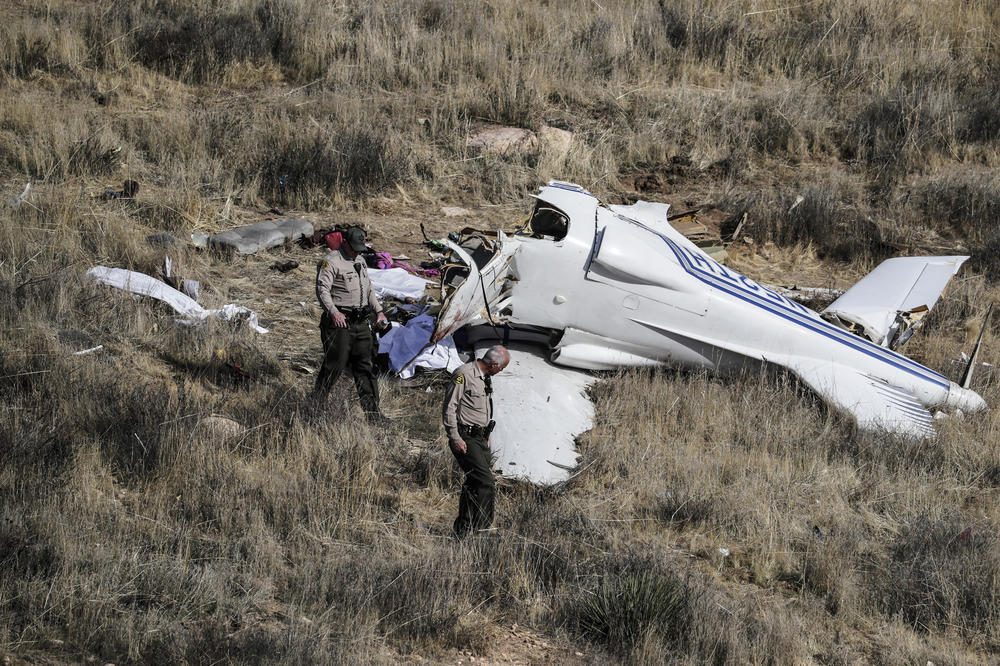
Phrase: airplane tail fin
(887, 305)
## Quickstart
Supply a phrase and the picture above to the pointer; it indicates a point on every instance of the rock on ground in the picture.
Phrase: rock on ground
(219, 426)
(504, 141)
(555, 140)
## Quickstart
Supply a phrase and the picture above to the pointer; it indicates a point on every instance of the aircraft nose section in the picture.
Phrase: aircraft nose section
(965, 399)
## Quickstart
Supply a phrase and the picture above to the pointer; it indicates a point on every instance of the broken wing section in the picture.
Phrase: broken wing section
(874, 403)
(540, 409)
(887, 305)
(474, 285)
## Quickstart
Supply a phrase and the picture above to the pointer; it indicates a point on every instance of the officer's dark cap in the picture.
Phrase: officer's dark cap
(355, 236)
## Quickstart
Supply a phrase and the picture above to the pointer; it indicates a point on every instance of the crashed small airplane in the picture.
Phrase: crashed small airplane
(604, 287)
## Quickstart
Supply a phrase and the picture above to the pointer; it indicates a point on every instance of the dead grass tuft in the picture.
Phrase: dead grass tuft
(630, 606)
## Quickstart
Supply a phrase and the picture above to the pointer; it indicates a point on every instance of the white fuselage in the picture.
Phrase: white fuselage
(627, 289)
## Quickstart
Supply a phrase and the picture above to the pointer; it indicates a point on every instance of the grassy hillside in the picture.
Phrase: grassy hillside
(132, 531)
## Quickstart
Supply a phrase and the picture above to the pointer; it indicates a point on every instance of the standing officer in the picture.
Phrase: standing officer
(467, 415)
(348, 300)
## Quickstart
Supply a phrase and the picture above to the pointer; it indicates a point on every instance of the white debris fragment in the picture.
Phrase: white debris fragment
(398, 283)
(263, 235)
(189, 310)
(16, 201)
(552, 409)
(88, 351)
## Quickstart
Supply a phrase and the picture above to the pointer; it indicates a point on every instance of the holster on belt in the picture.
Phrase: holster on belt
(477, 431)
(355, 315)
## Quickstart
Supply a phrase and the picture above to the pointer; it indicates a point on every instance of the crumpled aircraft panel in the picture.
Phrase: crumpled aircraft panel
(540, 408)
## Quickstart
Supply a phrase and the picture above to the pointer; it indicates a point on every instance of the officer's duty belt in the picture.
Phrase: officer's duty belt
(475, 430)
(354, 315)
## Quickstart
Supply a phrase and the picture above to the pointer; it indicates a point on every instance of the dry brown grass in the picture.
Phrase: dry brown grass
(130, 533)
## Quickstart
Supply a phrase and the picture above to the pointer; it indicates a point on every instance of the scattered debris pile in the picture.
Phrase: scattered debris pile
(409, 348)
(703, 227)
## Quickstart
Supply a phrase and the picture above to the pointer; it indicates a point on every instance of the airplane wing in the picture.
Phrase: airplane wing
(875, 403)
(886, 305)
(540, 408)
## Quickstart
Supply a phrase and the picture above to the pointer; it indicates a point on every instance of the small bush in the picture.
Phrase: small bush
(630, 605)
(967, 203)
(829, 216)
(310, 167)
(94, 155)
(982, 122)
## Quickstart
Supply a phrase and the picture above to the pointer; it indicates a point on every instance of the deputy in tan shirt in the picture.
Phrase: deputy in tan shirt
(349, 303)
(467, 414)
(343, 282)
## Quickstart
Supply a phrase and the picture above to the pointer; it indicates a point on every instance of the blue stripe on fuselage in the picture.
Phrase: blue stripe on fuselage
(793, 312)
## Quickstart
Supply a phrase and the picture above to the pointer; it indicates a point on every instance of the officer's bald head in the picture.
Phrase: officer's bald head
(496, 359)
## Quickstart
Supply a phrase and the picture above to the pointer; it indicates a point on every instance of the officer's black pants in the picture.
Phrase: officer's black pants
(352, 345)
(475, 508)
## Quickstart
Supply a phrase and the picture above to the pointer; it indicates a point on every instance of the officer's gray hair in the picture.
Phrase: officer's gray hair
(495, 355)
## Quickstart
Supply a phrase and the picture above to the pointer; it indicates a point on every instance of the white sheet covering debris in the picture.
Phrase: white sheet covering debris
(396, 282)
(403, 342)
(189, 310)
(540, 408)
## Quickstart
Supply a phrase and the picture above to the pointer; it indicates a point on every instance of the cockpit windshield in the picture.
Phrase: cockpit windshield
(548, 222)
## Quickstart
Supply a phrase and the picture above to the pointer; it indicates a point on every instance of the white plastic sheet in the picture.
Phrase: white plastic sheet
(403, 342)
(396, 282)
(190, 311)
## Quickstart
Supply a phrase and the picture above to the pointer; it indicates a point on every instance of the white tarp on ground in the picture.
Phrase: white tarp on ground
(403, 342)
(260, 236)
(540, 408)
(396, 282)
(190, 311)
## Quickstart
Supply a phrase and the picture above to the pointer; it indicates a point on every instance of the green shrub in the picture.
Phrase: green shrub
(628, 606)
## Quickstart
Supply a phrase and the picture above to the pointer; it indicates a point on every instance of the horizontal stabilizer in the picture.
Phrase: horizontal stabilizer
(885, 305)
(876, 404)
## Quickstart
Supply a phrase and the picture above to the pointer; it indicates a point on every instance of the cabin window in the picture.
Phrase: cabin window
(548, 222)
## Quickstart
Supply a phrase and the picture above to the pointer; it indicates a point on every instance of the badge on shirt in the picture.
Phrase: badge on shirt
(460, 380)
(323, 265)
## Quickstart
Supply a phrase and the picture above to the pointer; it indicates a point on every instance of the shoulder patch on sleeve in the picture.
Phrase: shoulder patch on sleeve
(324, 264)
(460, 380)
